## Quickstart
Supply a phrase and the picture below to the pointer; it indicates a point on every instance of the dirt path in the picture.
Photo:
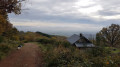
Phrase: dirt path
(27, 56)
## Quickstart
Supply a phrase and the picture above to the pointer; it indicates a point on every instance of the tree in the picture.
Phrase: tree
(10, 6)
(98, 39)
(12, 34)
(110, 35)
(5, 25)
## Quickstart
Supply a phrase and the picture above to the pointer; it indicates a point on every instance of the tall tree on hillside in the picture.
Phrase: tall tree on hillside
(10, 6)
(110, 35)
(6, 28)
(5, 25)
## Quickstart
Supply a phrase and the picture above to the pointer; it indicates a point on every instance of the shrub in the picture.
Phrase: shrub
(99, 51)
(4, 49)
(59, 53)
(46, 41)
(1, 39)
(65, 57)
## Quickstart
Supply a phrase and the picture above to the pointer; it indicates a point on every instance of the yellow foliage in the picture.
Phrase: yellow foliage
(107, 62)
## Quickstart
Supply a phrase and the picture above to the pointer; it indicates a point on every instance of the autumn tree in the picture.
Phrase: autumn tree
(110, 35)
(98, 39)
(12, 34)
(10, 6)
(5, 25)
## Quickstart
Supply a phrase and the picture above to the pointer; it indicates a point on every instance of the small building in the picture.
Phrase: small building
(80, 41)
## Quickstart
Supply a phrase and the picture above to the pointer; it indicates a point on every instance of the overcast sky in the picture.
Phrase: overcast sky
(66, 17)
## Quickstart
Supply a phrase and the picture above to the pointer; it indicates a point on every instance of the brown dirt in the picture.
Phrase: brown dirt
(28, 56)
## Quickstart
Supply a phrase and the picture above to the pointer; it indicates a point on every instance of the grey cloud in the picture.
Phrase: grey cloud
(110, 7)
(38, 15)
(108, 13)
(63, 11)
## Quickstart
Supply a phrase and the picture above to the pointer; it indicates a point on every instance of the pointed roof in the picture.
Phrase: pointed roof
(84, 39)
(73, 38)
(80, 41)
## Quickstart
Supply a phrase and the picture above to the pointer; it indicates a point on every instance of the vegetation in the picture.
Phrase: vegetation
(57, 51)
(43, 34)
(109, 36)
(58, 55)
(9, 35)
(11, 6)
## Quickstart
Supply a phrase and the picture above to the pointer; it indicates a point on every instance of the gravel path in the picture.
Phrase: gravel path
(28, 56)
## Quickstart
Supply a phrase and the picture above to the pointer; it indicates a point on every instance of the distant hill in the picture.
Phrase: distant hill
(43, 34)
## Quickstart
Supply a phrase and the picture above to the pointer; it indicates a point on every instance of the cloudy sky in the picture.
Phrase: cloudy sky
(66, 17)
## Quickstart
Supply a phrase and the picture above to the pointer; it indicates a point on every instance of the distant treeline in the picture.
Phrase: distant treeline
(43, 34)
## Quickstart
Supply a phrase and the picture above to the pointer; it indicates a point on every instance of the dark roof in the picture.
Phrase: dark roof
(84, 39)
(80, 41)
(73, 38)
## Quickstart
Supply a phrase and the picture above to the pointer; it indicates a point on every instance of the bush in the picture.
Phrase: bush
(4, 49)
(60, 53)
(1, 39)
(62, 56)
(99, 51)
(25, 41)
(46, 41)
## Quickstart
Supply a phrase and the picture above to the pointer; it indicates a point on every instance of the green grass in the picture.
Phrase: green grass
(116, 50)
(113, 50)
(7, 47)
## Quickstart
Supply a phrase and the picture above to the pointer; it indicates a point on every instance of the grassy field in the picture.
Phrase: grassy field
(113, 49)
